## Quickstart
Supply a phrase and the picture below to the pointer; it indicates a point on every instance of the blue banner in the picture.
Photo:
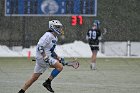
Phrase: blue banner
(50, 7)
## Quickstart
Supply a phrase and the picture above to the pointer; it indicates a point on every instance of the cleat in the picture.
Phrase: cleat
(92, 67)
(21, 91)
(47, 85)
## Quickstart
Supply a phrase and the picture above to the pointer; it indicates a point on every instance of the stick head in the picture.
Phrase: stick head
(75, 64)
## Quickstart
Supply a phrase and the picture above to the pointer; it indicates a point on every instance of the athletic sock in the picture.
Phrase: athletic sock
(94, 64)
(48, 80)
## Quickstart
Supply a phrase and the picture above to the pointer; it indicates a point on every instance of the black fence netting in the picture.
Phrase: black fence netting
(120, 18)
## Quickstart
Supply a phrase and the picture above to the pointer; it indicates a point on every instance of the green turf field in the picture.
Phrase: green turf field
(113, 75)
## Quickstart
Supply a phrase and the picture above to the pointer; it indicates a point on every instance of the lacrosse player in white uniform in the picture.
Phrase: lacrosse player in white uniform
(46, 57)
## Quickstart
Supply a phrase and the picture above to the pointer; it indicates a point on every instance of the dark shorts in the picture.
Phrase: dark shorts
(94, 48)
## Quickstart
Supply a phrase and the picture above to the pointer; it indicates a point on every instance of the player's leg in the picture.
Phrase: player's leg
(93, 62)
(29, 82)
(93, 58)
(58, 68)
(40, 68)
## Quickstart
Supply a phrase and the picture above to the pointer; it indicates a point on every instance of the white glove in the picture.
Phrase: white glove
(46, 59)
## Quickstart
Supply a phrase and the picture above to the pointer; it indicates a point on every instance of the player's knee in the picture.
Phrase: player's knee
(34, 78)
(60, 67)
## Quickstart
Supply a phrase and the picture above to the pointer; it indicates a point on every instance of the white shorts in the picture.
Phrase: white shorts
(41, 65)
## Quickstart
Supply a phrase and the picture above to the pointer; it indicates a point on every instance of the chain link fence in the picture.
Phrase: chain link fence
(26, 30)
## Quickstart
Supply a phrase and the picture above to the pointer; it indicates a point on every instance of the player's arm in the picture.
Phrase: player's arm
(41, 44)
(100, 36)
(42, 52)
(102, 33)
(87, 36)
(54, 55)
(60, 59)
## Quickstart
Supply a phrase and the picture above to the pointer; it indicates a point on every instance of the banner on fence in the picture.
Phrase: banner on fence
(50, 7)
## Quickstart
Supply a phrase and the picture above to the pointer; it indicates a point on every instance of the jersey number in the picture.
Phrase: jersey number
(92, 34)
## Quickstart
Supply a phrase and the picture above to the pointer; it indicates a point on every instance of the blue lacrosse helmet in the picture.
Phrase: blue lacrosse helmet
(96, 23)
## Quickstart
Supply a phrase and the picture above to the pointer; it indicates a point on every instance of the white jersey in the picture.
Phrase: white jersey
(48, 41)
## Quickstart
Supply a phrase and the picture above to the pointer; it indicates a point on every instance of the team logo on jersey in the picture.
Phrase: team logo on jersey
(53, 41)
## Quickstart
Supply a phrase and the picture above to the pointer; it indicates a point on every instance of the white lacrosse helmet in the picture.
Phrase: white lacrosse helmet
(56, 26)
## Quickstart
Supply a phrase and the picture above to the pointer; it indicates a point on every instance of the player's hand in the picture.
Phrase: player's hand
(105, 31)
(62, 61)
(46, 59)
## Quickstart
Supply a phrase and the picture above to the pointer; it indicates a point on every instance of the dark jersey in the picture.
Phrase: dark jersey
(93, 35)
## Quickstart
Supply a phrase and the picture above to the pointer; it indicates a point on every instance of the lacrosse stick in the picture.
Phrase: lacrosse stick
(74, 63)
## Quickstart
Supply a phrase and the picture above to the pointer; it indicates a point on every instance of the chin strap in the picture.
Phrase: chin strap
(55, 30)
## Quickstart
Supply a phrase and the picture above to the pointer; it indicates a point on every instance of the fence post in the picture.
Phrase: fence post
(103, 47)
(128, 48)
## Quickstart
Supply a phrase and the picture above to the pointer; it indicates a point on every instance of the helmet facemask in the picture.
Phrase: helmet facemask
(56, 27)
(96, 23)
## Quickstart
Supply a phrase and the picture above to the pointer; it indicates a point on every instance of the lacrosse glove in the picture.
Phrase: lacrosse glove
(62, 61)
(46, 59)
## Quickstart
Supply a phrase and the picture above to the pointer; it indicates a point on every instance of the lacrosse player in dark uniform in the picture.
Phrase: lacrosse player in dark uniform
(92, 37)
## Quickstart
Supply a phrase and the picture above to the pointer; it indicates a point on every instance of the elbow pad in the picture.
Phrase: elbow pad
(41, 49)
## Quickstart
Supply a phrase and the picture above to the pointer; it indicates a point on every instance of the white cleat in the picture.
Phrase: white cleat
(92, 67)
